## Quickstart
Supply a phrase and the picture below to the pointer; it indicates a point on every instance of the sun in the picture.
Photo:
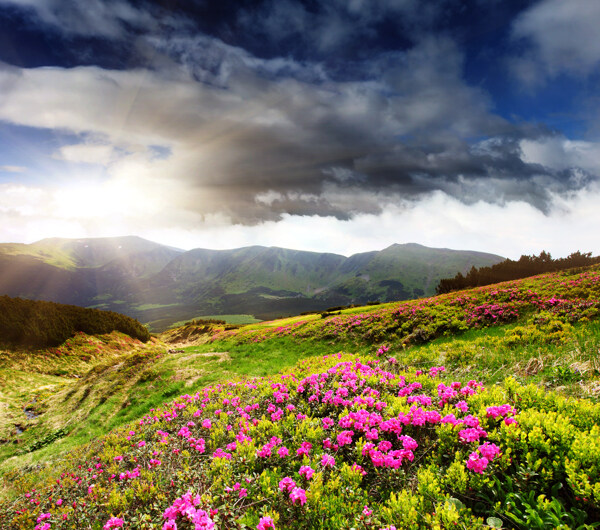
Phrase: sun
(92, 200)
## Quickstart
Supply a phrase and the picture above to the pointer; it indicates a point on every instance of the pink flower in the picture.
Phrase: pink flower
(286, 484)
(477, 464)
(219, 453)
(383, 350)
(265, 451)
(202, 521)
(489, 450)
(113, 522)
(265, 523)
(59, 502)
(358, 469)
(327, 461)
(153, 463)
(306, 472)
(304, 449)
(43, 517)
(500, 410)
(141, 443)
(385, 446)
(345, 437)
(462, 405)
(409, 443)
(472, 434)
(283, 452)
(367, 512)
(298, 494)
(327, 423)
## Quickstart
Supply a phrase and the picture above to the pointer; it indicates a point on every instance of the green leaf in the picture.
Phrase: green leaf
(494, 522)
(457, 503)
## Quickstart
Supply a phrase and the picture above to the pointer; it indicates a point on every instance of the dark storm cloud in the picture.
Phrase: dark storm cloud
(255, 137)
(328, 26)
(112, 19)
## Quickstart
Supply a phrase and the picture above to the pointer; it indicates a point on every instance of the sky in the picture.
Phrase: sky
(327, 125)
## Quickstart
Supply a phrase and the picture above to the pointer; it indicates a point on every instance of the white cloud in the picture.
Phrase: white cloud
(304, 165)
(86, 153)
(269, 197)
(559, 153)
(563, 35)
(124, 106)
(231, 143)
(330, 26)
(13, 169)
(437, 220)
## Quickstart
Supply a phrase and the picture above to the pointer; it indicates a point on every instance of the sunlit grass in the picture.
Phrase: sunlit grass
(237, 319)
(92, 385)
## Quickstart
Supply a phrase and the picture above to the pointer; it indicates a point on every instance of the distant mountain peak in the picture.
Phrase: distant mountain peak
(161, 285)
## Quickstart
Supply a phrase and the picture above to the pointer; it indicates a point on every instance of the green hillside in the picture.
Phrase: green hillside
(401, 272)
(48, 254)
(84, 252)
(160, 285)
(474, 409)
(270, 282)
(43, 324)
(95, 252)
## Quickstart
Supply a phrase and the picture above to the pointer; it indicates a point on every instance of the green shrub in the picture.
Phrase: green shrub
(42, 324)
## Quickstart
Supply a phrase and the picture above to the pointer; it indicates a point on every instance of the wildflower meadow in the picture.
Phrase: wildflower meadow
(364, 439)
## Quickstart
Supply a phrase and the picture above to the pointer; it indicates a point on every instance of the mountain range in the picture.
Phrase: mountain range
(160, 285)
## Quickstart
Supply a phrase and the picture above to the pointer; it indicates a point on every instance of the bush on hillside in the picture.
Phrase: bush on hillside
(339, 442)
(513, 270)
(42, 324)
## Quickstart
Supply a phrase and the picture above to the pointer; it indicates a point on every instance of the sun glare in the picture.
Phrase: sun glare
(104, 201)
(89, 201)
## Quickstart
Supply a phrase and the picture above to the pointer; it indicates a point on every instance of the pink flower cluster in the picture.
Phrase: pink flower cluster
(479, 460)
(307, 472)
(304, 449)
(265, 523)
(346, 400)
(502, 411)
(267, 450)
(288, 485)
(113, 522)
(134, 473)
(186, 506)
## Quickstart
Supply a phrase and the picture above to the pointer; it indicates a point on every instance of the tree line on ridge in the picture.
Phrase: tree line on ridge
(513, 270)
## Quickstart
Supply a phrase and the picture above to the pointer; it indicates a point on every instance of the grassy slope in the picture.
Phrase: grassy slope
(72, 253)
(46, 253)
(85, 388)
(240, 270)
(417, 267)
(127, 274)
(557, 351)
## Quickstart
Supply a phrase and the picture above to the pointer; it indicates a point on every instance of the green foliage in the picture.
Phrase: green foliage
(545, 474)
(512, 270)
(42, 324)
(46, 440)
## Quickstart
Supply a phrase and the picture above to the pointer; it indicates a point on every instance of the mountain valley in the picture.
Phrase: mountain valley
(162, 285)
